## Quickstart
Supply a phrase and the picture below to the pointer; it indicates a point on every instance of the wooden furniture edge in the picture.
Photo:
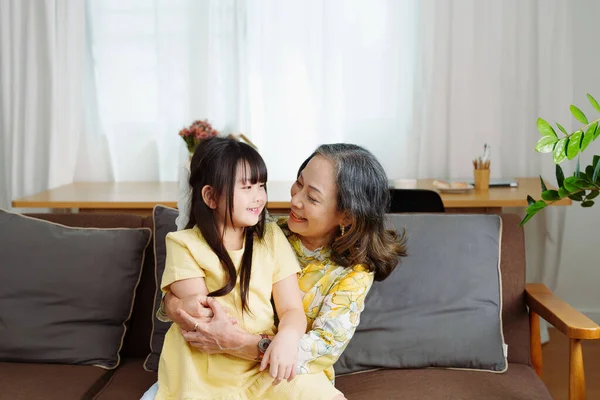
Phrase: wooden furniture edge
(543, 303)
(560, 314)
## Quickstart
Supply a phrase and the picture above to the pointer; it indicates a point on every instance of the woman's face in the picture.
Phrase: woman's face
(314, 215)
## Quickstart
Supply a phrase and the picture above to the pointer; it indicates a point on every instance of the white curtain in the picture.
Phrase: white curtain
(41, 94)
(290, 75)
(487, 70)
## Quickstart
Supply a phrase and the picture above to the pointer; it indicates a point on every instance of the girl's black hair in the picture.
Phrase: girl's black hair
(214, 163)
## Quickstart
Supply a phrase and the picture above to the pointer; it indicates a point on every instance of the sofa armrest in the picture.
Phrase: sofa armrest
(561, 315)
(576, 326)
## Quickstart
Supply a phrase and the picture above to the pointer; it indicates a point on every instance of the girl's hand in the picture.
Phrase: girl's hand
(282, 355)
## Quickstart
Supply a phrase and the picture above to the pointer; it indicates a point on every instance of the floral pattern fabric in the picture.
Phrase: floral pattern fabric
(333, 298)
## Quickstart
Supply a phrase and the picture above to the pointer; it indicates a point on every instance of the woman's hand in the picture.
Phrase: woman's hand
(195, 306)
(282, 355)
(217, 335)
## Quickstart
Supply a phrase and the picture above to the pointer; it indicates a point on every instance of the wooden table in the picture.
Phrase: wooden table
(141, 197)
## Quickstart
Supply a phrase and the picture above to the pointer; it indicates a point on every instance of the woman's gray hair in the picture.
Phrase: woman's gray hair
(363, 195)
(361, 180)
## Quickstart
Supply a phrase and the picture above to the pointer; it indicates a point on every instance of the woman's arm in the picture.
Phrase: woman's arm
(219, 334)
(336, 322)
(331, 330)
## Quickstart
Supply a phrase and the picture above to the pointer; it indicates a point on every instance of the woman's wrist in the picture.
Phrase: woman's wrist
(246, 346)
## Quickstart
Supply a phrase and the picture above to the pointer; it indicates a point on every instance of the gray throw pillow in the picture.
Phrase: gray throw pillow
(442, 306)
(66, 293)
(164, 222)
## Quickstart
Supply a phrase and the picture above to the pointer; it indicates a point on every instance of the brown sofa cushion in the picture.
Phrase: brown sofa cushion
(130, 381)
(50, 381)
(519, 382)
(164, 222)
(66, 293)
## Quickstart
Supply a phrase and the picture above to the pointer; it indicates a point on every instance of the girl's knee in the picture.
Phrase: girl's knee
(339, 397)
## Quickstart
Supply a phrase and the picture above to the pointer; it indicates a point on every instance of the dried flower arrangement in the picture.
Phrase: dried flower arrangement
(196, 132)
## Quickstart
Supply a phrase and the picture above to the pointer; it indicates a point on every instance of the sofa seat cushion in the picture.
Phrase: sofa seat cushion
(519, 382)
(21, 381)
(130, 381)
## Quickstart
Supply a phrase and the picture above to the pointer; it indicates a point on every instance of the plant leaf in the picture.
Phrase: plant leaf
(570, 184)
(530, 200)
(587, 203)
(576, 196)
(593, 102)
(574, 145)
(562, 192)
(593, 194)
(544, 188)
(560, 176)
(545, 128)
(560, 150)
(546, 144)
(527, 218)
(538, 205)
(578, 114)
(562, 129)
(596, 170)
(577, 168)
(589, 171)
(550, 195)
(589, 136)
(596, 133)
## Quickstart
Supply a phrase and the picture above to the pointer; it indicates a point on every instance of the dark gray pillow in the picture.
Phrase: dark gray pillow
(442, 306)
(66, 293)
(164, 222)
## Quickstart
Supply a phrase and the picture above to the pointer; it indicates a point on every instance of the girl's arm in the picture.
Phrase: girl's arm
(330, 333)
(292, 325)
(282, 354)
(188, 287)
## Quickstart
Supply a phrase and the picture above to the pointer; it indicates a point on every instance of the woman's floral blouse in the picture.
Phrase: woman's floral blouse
(333, 299)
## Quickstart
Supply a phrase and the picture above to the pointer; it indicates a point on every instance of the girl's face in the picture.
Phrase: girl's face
(249, 200)
(314, 215)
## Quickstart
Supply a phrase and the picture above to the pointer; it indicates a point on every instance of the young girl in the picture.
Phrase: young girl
(230, 253)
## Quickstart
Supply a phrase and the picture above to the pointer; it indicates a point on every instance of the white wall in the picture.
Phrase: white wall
(579, 277)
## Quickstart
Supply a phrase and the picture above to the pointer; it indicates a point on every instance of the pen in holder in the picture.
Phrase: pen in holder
(481, 174)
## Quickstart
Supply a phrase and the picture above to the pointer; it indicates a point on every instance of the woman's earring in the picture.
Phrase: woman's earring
(343, 229)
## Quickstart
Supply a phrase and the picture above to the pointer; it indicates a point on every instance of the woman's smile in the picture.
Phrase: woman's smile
(294, 217)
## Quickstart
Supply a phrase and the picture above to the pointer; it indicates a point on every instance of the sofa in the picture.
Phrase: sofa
(521, 306)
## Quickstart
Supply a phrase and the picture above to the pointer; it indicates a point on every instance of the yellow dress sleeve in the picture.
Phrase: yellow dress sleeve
(286, 262)
(336, 322)
(179, 263)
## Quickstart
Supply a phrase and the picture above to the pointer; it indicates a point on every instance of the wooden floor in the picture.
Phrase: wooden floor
(555, 356)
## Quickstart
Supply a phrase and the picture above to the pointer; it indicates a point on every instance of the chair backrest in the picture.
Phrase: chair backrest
(415, 201)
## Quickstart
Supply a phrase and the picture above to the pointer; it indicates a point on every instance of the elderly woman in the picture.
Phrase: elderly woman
(336, 228)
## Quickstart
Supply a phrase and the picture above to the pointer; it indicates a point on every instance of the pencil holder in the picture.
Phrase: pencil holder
(481, 179)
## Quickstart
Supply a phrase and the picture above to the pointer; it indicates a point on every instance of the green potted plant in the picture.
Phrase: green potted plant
(584, 185)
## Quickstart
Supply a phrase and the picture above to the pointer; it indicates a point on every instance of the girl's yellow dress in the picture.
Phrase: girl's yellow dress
(185, 373)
